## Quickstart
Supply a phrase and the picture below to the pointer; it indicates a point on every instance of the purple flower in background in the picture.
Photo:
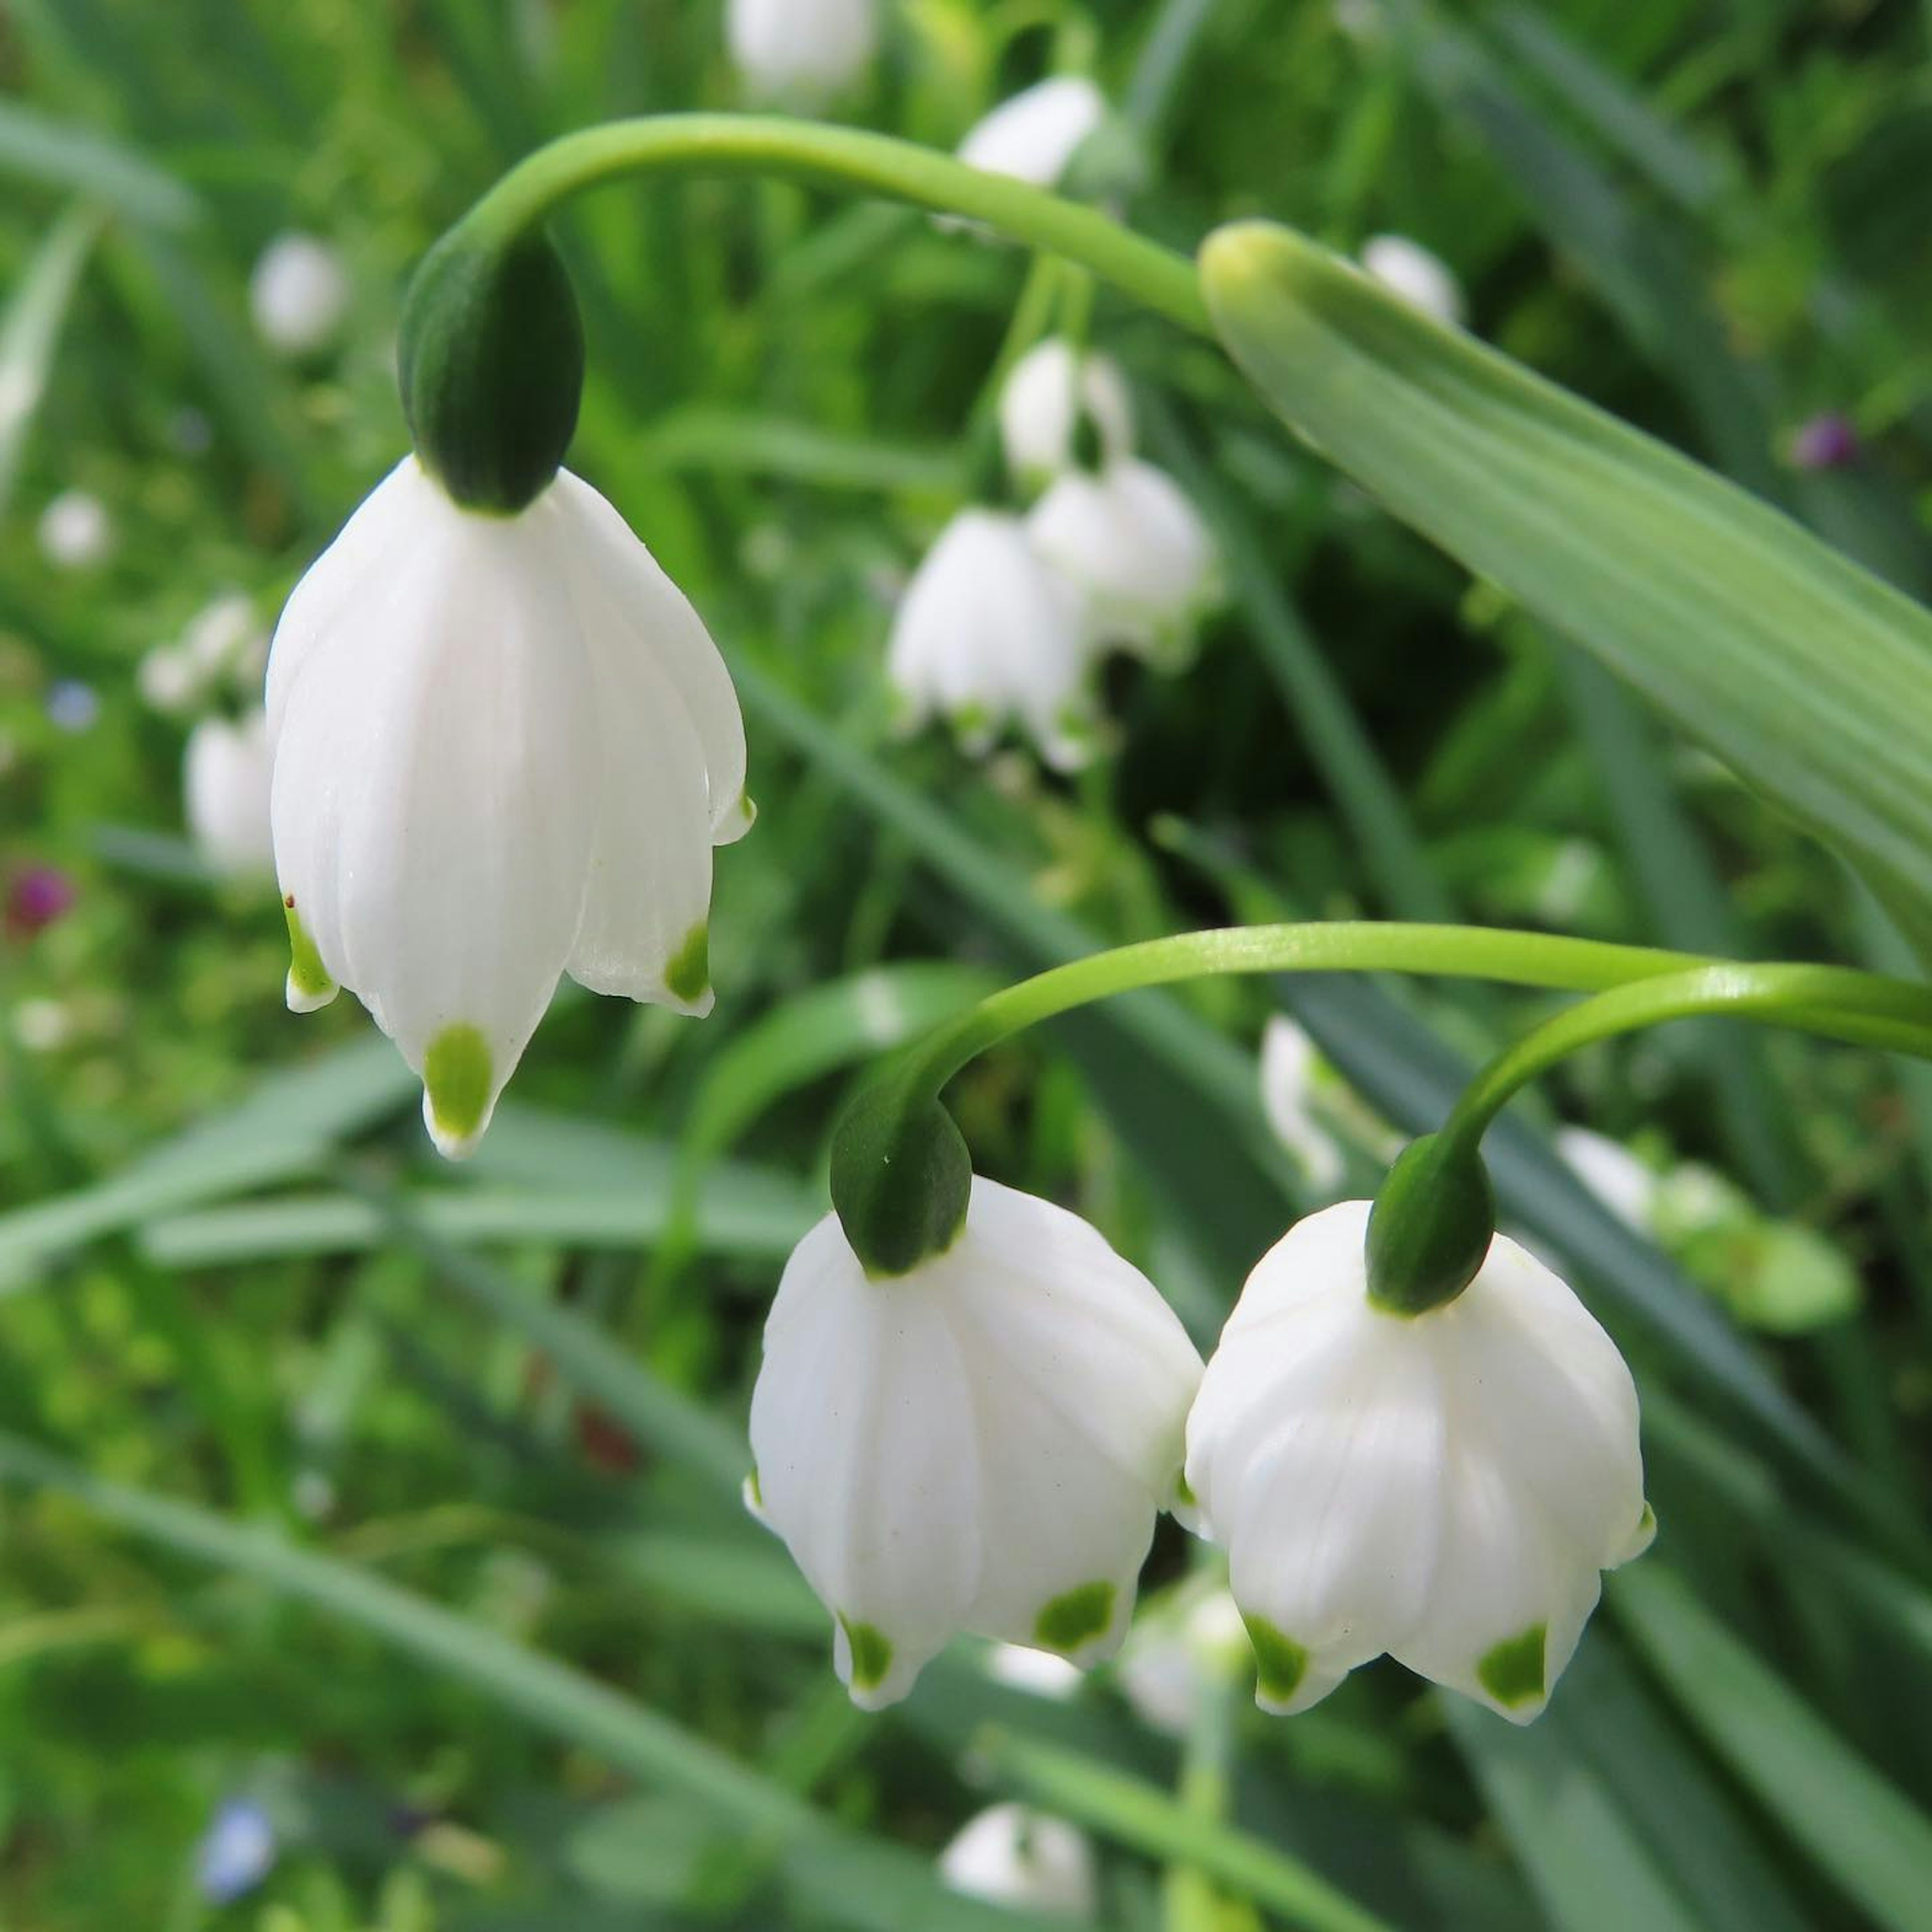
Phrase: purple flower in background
(1828, 441)
(36, 898)
(237, 1851)
(72, 705)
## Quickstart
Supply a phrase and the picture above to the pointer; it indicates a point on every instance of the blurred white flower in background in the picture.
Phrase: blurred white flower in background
(1289, 1063)
(225, 791)
(504, 747)
(75, 531)
(1011, 1856)
(1611, 1173)
(298, 294)
(1034, 136)
(1421, 279)
(1039, 1673)
(1182, 1651)
(801, 51)
(224, 647)
(1446, 1487)
(983, 1443)
(986, 634)
(1053, 392)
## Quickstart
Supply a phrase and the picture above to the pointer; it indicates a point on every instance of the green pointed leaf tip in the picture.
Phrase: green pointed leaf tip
(309, 979)
(1513, 1673)
(1073, 1621)
(871, 1654)
(1280, 1663)
(491, 361)
(902, 1180)
(457, 1077)
(687, 977)
(1431, 1228)
(1809, 676)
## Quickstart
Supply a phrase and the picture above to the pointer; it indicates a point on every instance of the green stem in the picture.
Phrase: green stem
(839, 157)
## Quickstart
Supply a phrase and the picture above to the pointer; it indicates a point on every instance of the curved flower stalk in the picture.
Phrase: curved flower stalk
(982, 1443)
(802, 51)
(986, 635)
(225, 794)
(504, 747)
(1057, 395)
(1447, 1487)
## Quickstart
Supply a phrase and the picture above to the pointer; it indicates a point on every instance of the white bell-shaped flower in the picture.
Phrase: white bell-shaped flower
(75, 531)
(1422, 280)
(1446, 1487)
(982, 1444)
(225, 793)
(1615, 1175)
(1010, 1854)
(1128, 540)
(1054, 389)
(1290, 1061)
(1034, 137)
(504, 747)
(986, 634)
(298, 294)
(803, 51)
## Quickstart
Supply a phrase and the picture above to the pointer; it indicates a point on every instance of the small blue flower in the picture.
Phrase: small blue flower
(72, 705)
(237, 1852)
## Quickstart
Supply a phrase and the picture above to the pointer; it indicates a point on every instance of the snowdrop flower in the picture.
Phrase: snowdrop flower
(298, 294)
(1445, 1486)
(1011, 1855)
(986, 633)
(802, 50)
(1179, 1653)
(1289, 1063)
(1611, 1173)
(981, 1444)
(75, 531)
(503, 747)
(1129, 542)
(225, 786)
(237, 1852)
(1034, 137)
(1408, 269)
(1054, 390)
(1039, 1673)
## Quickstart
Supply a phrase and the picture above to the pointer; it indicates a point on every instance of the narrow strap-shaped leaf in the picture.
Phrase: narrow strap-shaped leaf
(1809, 676)
(31, 327)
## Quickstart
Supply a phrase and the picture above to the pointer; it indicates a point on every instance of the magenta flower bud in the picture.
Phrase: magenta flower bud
(36, 898)
(1828, 441)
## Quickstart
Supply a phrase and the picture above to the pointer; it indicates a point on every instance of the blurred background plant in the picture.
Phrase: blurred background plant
(370, 1555)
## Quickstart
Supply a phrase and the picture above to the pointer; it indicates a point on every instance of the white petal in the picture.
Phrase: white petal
(1421, 279)
(1010, 1855)
(225, 788)
(1611, 1173)
(1042, 402)
(1288, 1061)
(801, 50)
(1035, 135)
(298, 293)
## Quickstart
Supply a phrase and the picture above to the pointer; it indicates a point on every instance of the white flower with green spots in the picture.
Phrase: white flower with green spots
(1445, 1487)
(982, 1443)
(503, 747)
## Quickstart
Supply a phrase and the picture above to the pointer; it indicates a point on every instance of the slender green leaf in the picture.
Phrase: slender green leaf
(82, 162)
(31, 328)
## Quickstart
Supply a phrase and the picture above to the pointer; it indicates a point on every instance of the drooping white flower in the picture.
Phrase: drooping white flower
(1289, 1061)
(75, 531)
(1180, 1652)
(504, 747)
(1615, 1175)
(1039, 1673)
(1421, 279)
(986, 633)
(1136, 549)
(1010, 1854)
(298, 293)
(801, 50)
(982, 1443)
(225, 790)
(223, 645)
(1446, 1487)
(1034, 137)
(1052, 388)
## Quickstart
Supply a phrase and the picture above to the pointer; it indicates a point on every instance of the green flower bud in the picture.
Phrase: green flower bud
(901, 1180)
(1432, 1226)
(492, 366)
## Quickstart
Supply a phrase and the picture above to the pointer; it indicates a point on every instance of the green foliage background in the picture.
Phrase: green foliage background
(404, 1496)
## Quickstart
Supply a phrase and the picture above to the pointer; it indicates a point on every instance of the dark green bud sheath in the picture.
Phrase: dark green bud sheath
(1431, 1228)
(491, 361)
(901, 1180)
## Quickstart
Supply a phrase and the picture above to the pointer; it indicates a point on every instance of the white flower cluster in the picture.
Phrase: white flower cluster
(984, 1442)
(1007, 615)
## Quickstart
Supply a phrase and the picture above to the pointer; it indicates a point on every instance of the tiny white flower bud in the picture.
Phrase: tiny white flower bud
(1010, 1855)
(75, 531)
(1408, 269)
(225, 787)
(298, 294)
(802, 51)
(504, 747)
(1052, 387)
(982, 1444)
(1182, 1650)
(986, 633)
(1034, 137)
(1136, 549)
(1289, 1061)
(1446, 1487)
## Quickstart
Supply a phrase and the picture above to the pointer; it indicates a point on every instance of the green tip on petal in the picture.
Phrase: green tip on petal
(458, 1091)
(748, 809)
(1280, 1663)
(754, 1497)
(309, 984)
(1076, 1620)
(872, 1655)
(1513, 1673)
(687, 977)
